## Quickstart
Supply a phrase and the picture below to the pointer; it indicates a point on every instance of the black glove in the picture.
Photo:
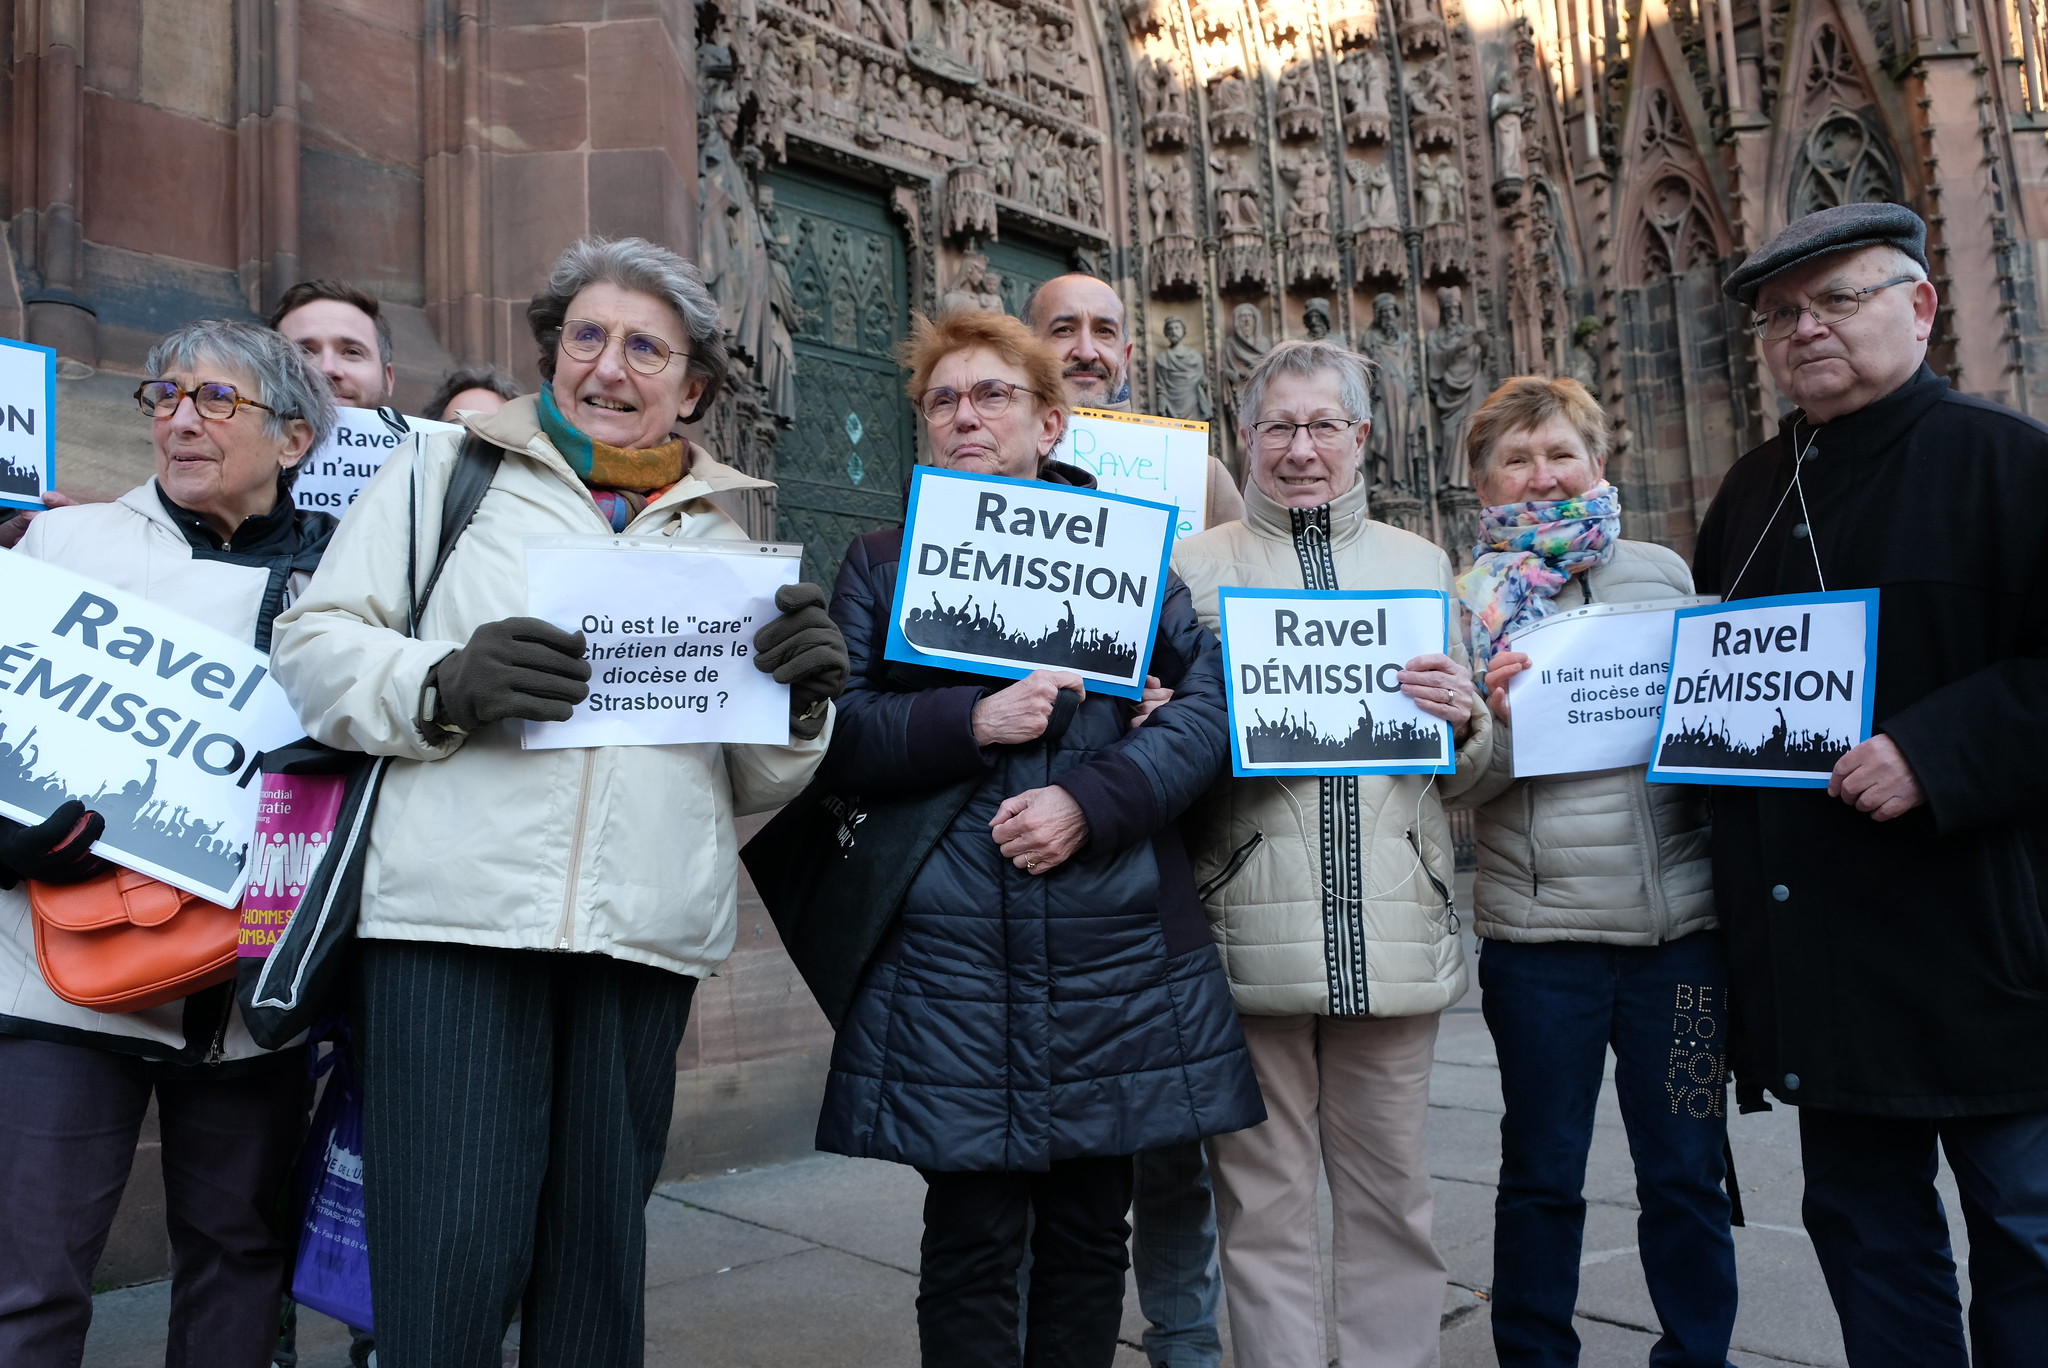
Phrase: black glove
(57, 850)
(804, 650)
(517, 667)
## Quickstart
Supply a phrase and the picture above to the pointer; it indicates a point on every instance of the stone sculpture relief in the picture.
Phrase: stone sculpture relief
(1376, 251)
(1362, 86)
(1421, 29)
(1180, 375)
(1240, 224)
(1230, 110)
(1315, 319)
(1506, 110)
(1311, 248)
(1242, 351)
(977, 286)
(1433, 105)
(1299, 100)
(1163, 104)
(1457, 363)
(1175, 252)
(1440, 185)
(1392, 439)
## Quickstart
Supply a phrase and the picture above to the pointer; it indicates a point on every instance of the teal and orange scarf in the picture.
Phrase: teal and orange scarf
(1527, 552)
(619, 480)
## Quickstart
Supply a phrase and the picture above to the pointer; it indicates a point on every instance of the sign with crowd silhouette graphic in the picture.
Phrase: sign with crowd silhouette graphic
(28, 423)
(1314, 685)
(1767, 692)
(1004, 577)
(147, 717)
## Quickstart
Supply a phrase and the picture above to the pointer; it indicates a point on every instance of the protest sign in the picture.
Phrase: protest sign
(1768, 691)
(28, 423)
(148, 718)
(295, 817)
(670, 626)
(1025, 575)
(1594, 690)
(332, 475)
(1314, 686)
(1165, 460)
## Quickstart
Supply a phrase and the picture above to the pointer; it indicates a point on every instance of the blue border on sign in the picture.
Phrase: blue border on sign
(49, 424)
(899, 647)
(1237, 763)
(1750, 778)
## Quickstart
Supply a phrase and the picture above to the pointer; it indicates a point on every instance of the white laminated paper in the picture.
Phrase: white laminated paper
(1165, 460)
(28, 423)
(670, 630)
(1594, 689)
(333, 474)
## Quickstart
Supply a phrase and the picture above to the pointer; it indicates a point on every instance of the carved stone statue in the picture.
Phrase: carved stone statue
(1362, 86)
(976, 287)
(1315, 319)
(1175, 254)
(1433, 105)
(1441, 186)
(1164, 105)
(1506, 109)
(1392, 440)
(1242, 351)
(1373, 203)
(1180, 374)
(1300, 111)
(1309, 209)
(1237, 196)
(1457, 364)
(1230, 109)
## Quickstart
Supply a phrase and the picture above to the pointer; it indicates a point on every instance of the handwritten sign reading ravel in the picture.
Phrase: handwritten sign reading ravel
(1594, 689)
(1314, 685)
(148, 718)
(1165, 460)
(1768, 691)
(331, 476)
(28, 423)
(670, 630)
(1004, 577)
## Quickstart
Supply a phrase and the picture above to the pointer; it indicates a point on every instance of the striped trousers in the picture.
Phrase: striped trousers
(516, 1110)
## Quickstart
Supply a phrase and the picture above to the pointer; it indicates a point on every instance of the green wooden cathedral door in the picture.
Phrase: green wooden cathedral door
(840, 471)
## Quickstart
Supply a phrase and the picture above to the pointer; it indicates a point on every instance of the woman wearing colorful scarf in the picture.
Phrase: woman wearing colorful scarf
(1595, 913)
(533, 922)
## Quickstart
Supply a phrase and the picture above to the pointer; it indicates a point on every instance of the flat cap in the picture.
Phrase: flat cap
(1841, 229)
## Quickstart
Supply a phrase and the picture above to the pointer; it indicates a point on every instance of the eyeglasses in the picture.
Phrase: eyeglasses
(645, 352)
(989, 398)
(1828, 308)
(160, 399)
(1323, 432)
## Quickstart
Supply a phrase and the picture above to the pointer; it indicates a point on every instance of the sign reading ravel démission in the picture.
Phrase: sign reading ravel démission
(28, 426)
(1004, 577)
(331, 476)
(1314, 681)
(670, 630)
(148, 718)
(1165, 460)
(1768, 691)
(1594, 689)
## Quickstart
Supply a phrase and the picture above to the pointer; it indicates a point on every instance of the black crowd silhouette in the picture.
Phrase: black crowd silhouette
(25, 480)
(969, 630)
(1698, 745)
(1301, 742)
(138, 822)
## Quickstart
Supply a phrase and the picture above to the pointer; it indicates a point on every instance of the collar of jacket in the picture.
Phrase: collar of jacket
(275, 533)
(516, 427)
(1877, 423)
(1347, 514)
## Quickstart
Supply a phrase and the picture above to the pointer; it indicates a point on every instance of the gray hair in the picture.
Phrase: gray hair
(633, 264)
(1303, 358)
(286, 380)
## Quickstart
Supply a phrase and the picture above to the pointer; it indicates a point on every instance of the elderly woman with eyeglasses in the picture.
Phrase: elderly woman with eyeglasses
(534, 921)
(1048, 1000)
(213, 534)
(1331, 903)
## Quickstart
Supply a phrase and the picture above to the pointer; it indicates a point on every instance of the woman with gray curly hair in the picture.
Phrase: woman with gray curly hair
(533, 921)
(232, 409)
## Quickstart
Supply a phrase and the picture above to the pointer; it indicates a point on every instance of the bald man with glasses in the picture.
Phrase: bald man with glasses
(1888, 936)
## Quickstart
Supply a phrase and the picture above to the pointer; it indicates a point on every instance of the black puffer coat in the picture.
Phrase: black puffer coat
(1009, 1019)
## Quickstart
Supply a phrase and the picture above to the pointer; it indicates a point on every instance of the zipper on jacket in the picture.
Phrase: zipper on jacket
(1535, 879)
(568, 922)
(1231, 870)
(1422, 863)
(218, 1050)
(1653, 864)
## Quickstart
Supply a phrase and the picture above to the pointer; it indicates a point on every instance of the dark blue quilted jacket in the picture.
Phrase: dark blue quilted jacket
(1010, 1019)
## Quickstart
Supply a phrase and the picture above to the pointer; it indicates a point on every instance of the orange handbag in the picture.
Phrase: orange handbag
(124, 941)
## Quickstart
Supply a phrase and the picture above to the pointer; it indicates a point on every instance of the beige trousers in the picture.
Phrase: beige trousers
(1349, 1095)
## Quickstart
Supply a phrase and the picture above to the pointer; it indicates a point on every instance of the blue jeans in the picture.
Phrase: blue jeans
(1173, 1253)
(1882, 1237)
(1554, 1009)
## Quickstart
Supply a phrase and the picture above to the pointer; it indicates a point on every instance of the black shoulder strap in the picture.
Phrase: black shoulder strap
(475, 467)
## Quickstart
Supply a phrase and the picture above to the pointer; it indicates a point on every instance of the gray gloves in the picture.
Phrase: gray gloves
(57, 850)
(803, 649)
(516, 667)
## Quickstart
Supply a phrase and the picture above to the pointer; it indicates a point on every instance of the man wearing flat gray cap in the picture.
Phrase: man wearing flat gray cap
(1888, 936)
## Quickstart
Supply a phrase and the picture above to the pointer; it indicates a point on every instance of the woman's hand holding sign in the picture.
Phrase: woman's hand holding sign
(1875, 777)
(1019, 713)
(1039, 829)
(1441, 687)
(1499, 670)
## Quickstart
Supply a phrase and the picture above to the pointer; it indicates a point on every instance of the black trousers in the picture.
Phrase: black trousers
(976, 1226)
(515, 1113)
(1882, 1237)
(69, 1118)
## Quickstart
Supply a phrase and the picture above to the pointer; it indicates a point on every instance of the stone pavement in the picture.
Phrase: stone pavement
(814, 1263)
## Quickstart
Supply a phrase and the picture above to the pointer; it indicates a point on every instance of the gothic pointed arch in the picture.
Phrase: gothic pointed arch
(1672, 208)
(1835, 140)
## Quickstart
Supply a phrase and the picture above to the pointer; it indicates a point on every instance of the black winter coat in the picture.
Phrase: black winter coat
(1900, 968)
(1010, 1020)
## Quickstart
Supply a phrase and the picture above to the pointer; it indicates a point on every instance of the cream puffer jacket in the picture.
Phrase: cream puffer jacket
(1329, 896)
(627, 851)
(1601, 857)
